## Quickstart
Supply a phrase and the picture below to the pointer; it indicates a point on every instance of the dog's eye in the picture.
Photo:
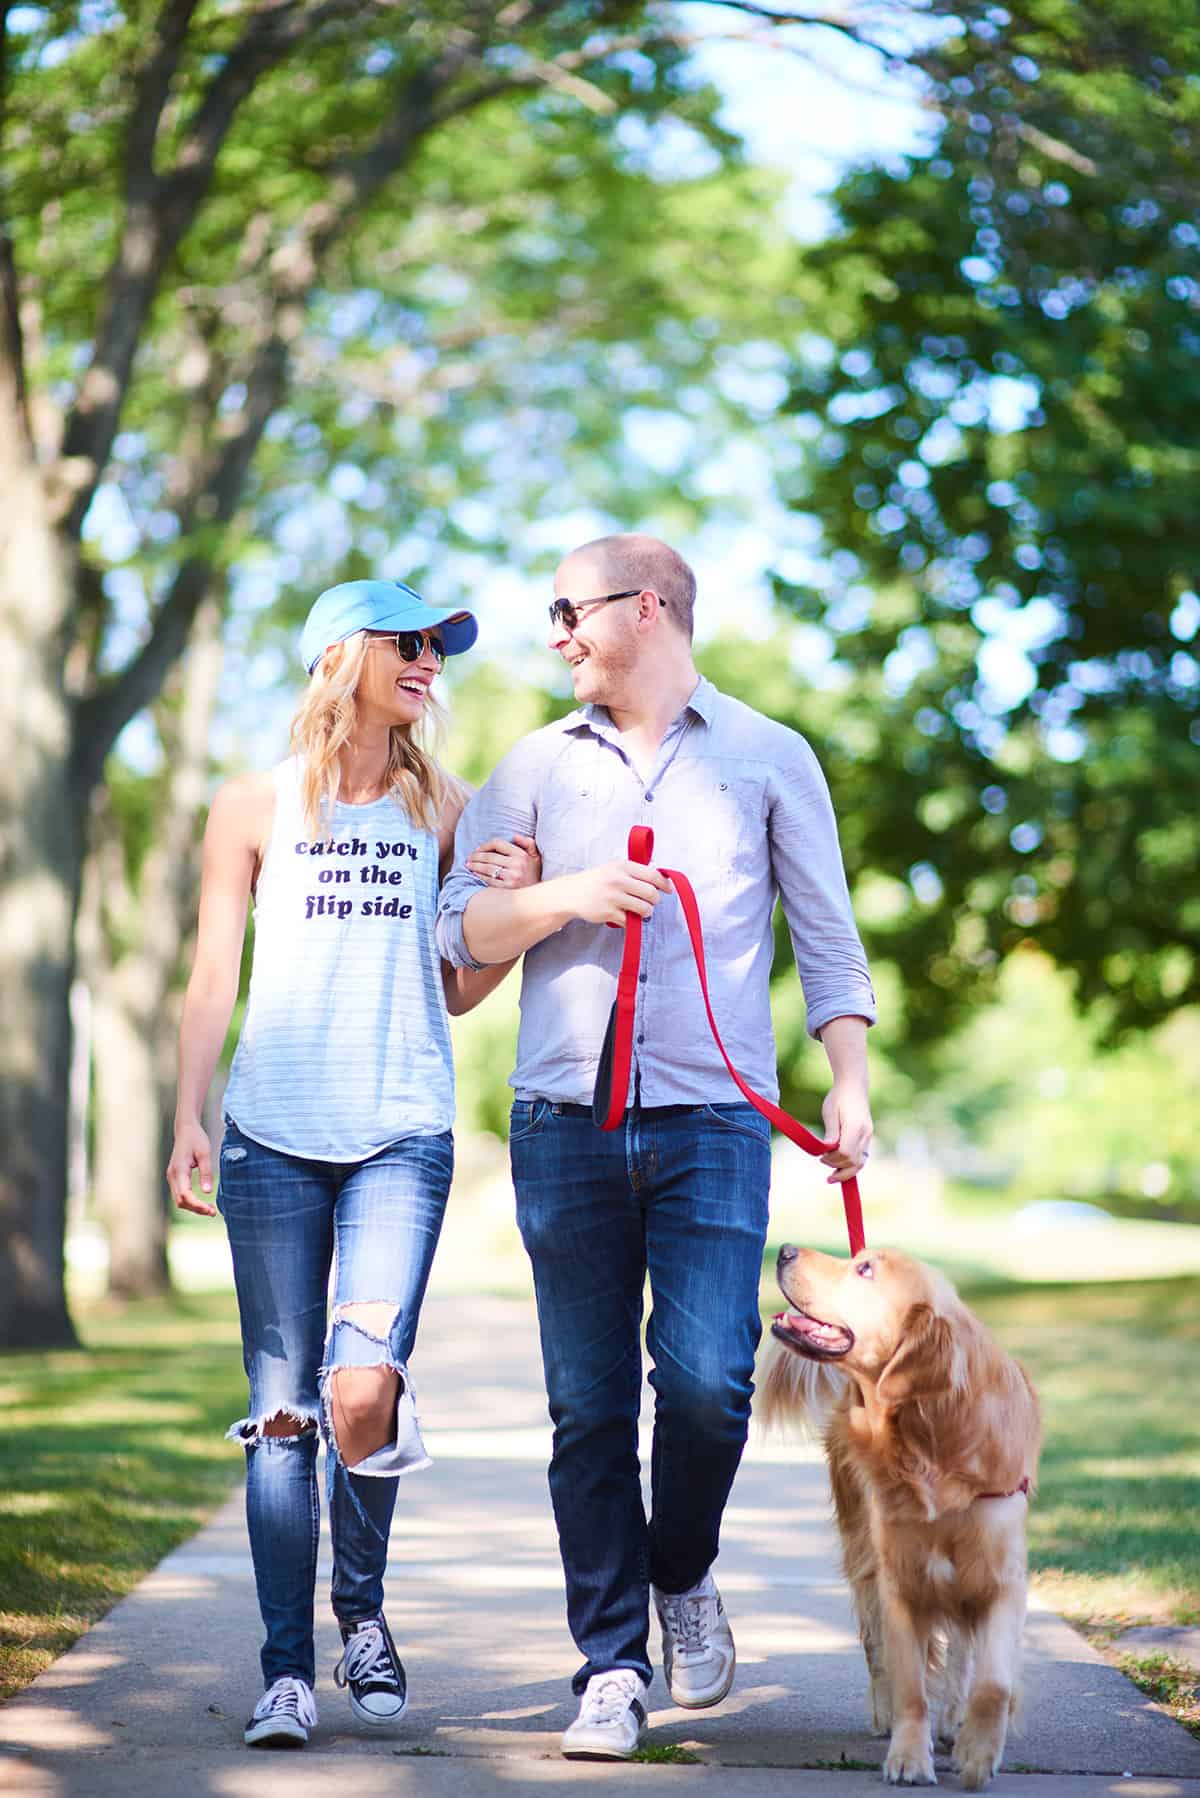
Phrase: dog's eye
(865, 1270)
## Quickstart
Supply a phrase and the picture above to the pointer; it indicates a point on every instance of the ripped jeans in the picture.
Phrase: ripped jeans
(289, 1221)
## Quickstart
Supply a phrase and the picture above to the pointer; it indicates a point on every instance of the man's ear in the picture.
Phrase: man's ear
(928, 1359)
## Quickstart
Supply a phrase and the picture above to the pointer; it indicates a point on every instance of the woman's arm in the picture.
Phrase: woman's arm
(238, 824)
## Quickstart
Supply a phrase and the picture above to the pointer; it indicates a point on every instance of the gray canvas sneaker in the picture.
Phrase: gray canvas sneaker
(699, 1658)
(611, 1720)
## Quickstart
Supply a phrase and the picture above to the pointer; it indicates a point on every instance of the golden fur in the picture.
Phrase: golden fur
(925, 1420)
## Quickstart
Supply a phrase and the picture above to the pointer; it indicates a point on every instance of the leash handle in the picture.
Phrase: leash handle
(619, 1042)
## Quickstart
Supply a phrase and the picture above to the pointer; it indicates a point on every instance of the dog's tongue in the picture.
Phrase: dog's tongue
(810, 1327)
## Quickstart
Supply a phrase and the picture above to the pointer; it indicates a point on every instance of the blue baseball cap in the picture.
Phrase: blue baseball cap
(378, 606)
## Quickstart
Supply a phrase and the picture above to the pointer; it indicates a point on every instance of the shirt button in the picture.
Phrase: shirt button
(641, 1038)
(643, 978)
(649, 796)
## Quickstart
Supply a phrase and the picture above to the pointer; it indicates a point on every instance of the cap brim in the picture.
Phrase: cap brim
(458, 630)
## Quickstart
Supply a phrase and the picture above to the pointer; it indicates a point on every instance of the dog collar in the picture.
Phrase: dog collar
(1023, 1488)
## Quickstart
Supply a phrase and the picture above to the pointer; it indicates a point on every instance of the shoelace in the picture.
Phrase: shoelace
(288, 1697)
(366, 1659)
(687, 1614)
(606, 1701)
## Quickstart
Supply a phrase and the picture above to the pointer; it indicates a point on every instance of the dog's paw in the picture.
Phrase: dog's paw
(977, 1756)
(910, 1760)
(945, 1730)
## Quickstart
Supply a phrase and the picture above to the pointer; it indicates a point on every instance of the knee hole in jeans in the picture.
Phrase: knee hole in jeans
(361, 1400)
(286, 1423)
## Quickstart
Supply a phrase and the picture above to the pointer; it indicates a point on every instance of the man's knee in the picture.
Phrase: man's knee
(706, 1398)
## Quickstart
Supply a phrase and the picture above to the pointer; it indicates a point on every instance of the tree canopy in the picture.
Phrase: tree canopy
(293, 280)
(999, 396)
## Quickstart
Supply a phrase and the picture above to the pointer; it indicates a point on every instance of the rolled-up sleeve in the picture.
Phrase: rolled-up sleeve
(505, 806)
(806, 860)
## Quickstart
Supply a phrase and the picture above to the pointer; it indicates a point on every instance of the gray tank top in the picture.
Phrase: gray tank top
(345, 1046)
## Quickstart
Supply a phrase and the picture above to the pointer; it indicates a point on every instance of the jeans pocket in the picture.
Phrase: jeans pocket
(526, 1118)
(234, 1146)
(743, 1120)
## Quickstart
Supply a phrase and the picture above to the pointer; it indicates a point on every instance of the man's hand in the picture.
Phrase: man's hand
(847, 1118)
(605, 894)
(191, 1150)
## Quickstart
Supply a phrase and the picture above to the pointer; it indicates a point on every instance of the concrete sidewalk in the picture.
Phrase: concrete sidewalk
(153, 1699)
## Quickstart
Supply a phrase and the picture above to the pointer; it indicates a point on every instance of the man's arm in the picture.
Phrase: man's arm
(846, 1110)
(466, 987)
(497, 925)
(807, 863)
(478, 925)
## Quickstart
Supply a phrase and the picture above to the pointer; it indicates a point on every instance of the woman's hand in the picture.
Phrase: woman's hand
(507, 865)
(191, 1150)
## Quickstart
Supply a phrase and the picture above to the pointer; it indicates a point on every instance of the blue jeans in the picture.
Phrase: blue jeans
(679, 1192)
(286, 1217)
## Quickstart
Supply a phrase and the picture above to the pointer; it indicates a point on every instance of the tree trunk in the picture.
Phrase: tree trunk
(40, 867)
(135, 1052)
(129, 1191)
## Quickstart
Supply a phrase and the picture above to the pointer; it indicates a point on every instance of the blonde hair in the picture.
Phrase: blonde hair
(324, 723)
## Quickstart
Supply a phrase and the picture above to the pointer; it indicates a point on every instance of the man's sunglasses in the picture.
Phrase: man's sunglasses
(410, 646)
(566, 611)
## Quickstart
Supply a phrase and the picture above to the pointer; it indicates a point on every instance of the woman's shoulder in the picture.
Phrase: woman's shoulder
(245, 802)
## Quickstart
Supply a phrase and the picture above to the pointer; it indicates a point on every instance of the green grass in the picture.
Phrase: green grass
(1170, 1682)
(1112, 1531)
(665, 1754)
(110, 1456)
(1112, 1534)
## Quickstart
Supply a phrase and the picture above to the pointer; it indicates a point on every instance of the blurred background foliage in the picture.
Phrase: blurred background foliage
(576, 304)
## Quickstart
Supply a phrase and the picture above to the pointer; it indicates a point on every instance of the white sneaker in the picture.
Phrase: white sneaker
(611, 1720)
(699, 1658)
(283, 1716)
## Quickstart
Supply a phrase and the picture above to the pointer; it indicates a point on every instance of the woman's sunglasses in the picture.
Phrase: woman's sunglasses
(410, 646)
(566, 611)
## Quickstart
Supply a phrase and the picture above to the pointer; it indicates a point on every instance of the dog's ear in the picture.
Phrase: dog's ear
(928, 1359)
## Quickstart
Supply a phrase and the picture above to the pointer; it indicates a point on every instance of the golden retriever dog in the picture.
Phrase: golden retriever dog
(931, 1433)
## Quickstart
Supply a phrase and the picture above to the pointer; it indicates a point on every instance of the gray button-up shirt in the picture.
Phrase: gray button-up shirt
(738, 803)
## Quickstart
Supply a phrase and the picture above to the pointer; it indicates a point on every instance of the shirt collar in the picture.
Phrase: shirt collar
(703, 702)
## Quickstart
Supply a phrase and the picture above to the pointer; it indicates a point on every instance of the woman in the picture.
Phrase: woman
(337, 1146)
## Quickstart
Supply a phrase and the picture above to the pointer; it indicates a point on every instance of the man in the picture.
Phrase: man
(680, 1189)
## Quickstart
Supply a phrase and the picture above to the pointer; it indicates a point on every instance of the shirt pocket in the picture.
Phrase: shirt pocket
(579, 822)
(724, 812)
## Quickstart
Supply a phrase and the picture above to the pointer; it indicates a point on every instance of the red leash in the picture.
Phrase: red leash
(612, 1080)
